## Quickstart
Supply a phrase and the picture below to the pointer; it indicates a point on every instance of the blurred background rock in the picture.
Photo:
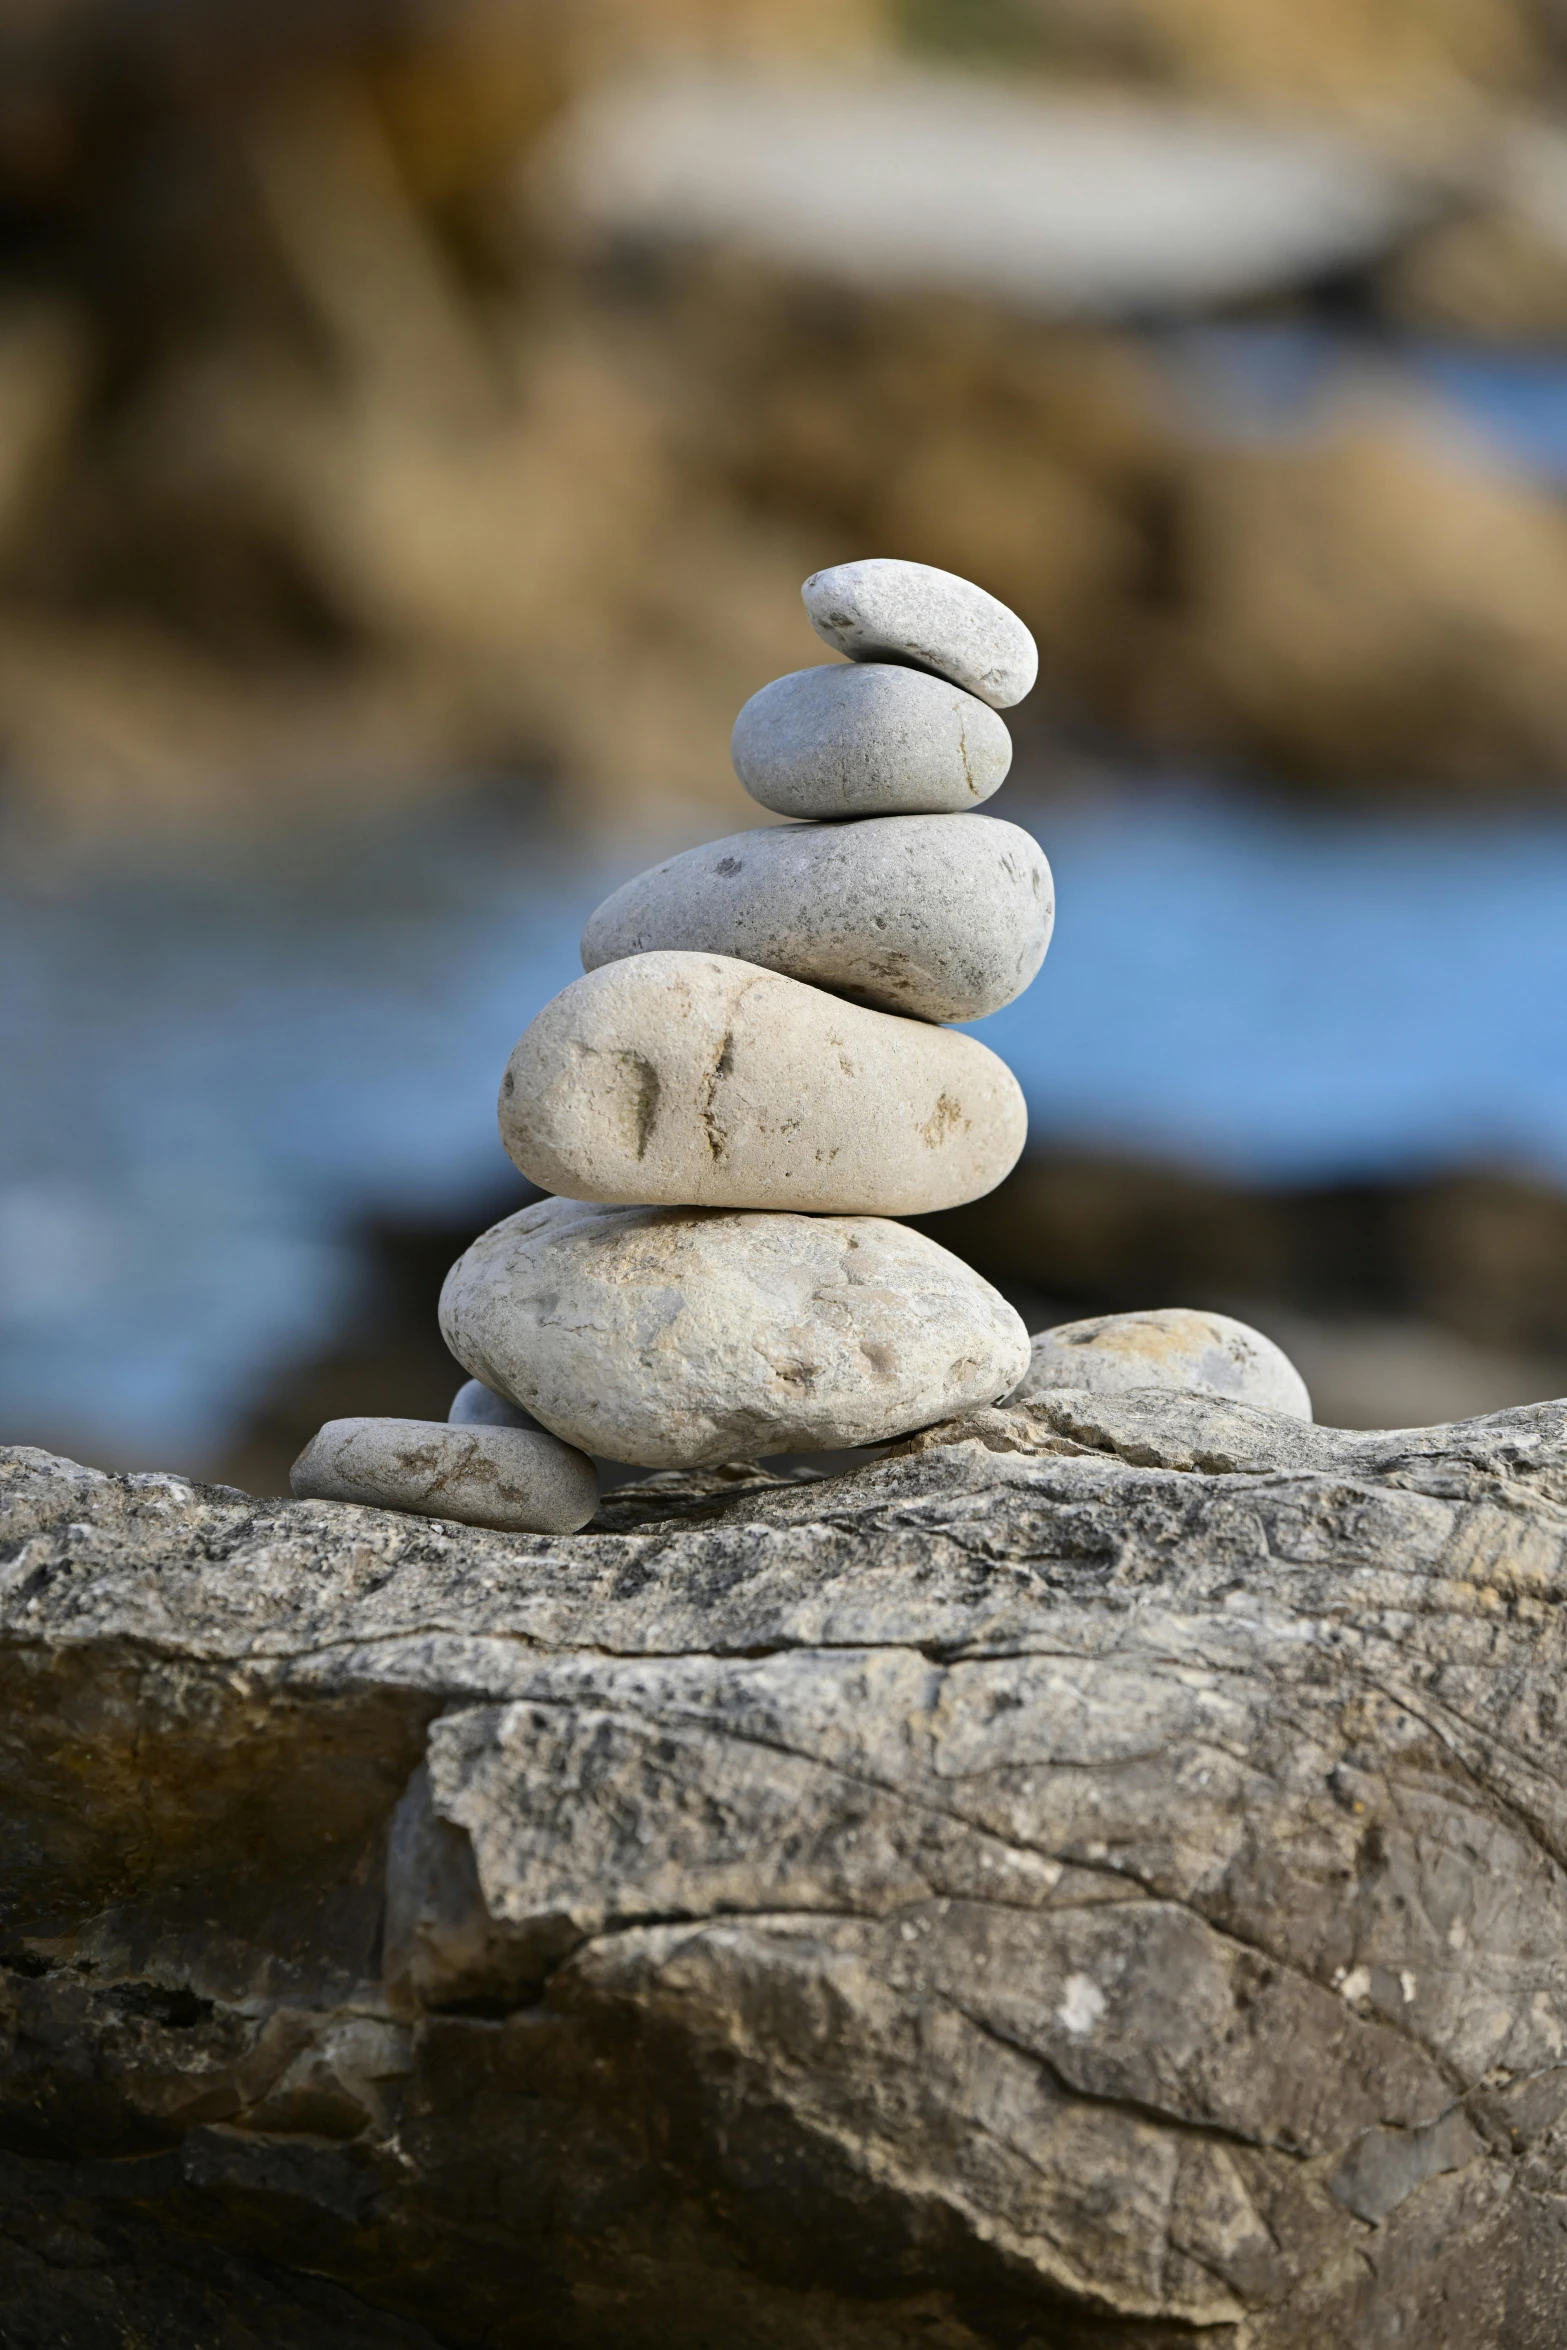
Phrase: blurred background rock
(415, 423)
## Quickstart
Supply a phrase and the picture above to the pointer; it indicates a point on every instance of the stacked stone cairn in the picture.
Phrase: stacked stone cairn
(752, 1079)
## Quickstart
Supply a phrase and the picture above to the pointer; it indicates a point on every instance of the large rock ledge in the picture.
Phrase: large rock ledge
(1096, 1879)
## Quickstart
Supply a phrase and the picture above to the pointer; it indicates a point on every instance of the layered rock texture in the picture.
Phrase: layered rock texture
(1096, 1876)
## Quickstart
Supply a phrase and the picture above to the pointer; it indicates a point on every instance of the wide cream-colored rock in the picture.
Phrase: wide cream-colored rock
(944, 917)
(674, 1337)
(1166, 1346)
(689, 1080)
(518, 1480)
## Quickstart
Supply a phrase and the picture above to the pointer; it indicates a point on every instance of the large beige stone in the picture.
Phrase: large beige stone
(518, 1480)
(689, 1080)
(1166, 1346)
(945, 917)
(674, 1337)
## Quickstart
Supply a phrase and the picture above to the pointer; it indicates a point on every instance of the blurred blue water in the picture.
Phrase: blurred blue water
(210, 1078)
(1516, 400)
(1295, 996)
(210, 1081)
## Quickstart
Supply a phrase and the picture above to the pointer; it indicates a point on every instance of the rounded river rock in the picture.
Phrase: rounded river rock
(688, 1080)
(845, 741)
(1167, 1346)
(517, 1480)
(675, 1338)
(884, 610)
(942, 917)
(477, 1406)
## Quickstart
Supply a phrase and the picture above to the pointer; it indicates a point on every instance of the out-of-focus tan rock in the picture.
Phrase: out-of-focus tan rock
(1494, 266)
(406, 492)
(1356, 56)
(1388, 607)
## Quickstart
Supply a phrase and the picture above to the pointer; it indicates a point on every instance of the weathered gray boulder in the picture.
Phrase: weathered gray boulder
(1093, 1880)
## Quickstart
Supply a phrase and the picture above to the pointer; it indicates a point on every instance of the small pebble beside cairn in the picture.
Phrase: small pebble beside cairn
(750, 1080)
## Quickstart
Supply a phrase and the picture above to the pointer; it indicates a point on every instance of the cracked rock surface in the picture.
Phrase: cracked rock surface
(1093, 1877)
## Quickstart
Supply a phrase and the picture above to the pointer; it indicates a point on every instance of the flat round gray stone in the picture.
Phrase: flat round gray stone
(940, 917)
(1166, 1346)
(517, 1480)
(676, 1338)
(844, 741)
(686, 1080)
(477, 1406)
(884, 610)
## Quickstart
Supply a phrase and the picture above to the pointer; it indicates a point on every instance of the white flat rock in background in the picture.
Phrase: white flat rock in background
(868, 739)
(941, 917)
(1166, 1346)
(673, 1338)
(518, 1480)
(693, 1080)
(909, 179)
(881, 609)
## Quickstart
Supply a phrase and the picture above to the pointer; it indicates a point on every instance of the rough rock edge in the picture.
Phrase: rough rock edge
(329, 1830)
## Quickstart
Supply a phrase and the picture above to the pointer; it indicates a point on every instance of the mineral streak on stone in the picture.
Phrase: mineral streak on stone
(697, 1080)
(477, 1406)
(518, 1480)
(882, 610)
(675, 1338)
(1105, 1895)
(1168, 1346)
(843, 741)
(939, 917)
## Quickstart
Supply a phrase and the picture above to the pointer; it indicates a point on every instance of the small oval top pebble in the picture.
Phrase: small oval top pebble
(880, 609)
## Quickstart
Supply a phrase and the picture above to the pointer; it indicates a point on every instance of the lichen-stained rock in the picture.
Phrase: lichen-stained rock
(1166, 1346)
(1096, 1880)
